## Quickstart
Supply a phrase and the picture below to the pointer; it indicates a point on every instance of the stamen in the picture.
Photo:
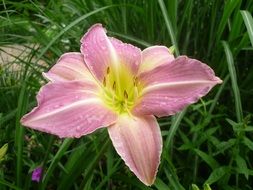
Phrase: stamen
(104, 81)
(135, 92)
(116, 94)
(125, 94)
(114, 86)
(135, 81)
(108, 70)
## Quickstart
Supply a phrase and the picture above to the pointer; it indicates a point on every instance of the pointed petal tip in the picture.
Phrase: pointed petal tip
(139, 143)
(219, 81)
(46, 75)
(155, 56)
(91, 29)
(149, 182)
(22, 120)
(71, 114)
(170, 87)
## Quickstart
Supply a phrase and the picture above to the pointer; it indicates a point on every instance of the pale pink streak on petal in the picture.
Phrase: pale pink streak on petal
(97, 50)
(171, 87)
(101, 52)
(128, 54)
(69, 67)
(155, 56)
(69, 109)
(139, 143)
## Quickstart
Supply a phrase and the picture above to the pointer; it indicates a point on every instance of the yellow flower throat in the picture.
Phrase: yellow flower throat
(120, 89)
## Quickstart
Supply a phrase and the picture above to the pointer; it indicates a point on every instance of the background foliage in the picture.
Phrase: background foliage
(209, 143)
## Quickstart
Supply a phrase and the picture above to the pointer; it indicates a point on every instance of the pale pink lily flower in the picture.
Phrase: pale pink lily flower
(116, 85)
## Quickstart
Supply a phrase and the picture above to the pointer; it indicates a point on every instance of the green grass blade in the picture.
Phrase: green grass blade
(228, 10)
(159, 184)
(94, 163)
(232, 72)
(248, 20)
(170, 172)
(174, 126)
(19, 136)
(77, 161)
(8, 184)
(172, 11)
(217, 96)
(131, 38)
(47, 153)
(72, 24)
(66, 143)
(169, 26)
(207, 158)
(107, 177)
(217, 174)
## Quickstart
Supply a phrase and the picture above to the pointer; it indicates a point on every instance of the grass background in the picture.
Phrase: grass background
(209, 143)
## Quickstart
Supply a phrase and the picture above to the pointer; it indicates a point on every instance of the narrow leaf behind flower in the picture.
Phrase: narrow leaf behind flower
(232, 72)
(248, 20)
(66, 143)
(169, 26)
(72, 24)
(19, 136)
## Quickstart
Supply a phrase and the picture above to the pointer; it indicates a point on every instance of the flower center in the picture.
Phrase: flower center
(120, 89)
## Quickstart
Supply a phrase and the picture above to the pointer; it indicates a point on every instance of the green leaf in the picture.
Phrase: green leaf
(172, 49)
(217, 174)
(230, 6)
(159, 184)
(248, 20)
(65, 145)
(207, 158)
(235, 87)
(171, 174)
(169, 26)
(207, 187)
(8, 184)
(222, 146)
(20, 131)
(242, 166)
(195, 187)
(72, 24)
(174, 126)
(248, 143)
(186, 146)
(3, 151)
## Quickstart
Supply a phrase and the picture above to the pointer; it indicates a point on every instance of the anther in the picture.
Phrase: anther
(104, 81)
(125, 94)
(135, 81)
(114, 86)
(108, 70)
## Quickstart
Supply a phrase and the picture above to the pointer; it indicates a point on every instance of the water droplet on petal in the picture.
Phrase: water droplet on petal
(79, 129)
(163, 103)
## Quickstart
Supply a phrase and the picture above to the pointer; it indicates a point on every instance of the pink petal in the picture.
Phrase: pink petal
(101, 52)
(139, 143)
(69, 109)
(127, 54)
(155, 56)
(69, 67)
(171, 87)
